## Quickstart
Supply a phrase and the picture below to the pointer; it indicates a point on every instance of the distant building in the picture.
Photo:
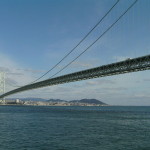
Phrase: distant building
(11, 102)
(17, 101)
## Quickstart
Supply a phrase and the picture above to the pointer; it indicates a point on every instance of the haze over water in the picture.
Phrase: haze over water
(83, 128)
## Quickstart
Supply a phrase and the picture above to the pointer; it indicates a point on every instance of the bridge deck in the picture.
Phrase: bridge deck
(126, 66)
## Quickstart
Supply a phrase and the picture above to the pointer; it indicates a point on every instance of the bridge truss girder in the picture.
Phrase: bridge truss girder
(126, 66)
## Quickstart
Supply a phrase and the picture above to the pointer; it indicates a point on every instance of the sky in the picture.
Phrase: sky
(36, 34)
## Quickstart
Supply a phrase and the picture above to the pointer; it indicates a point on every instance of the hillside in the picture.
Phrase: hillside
(86, 101)
(89, 101)
(56, 100)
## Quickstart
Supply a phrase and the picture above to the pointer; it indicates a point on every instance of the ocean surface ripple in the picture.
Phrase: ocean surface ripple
(74, 128)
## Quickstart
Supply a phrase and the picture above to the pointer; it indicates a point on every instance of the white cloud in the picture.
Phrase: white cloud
(12, 75)
(120, 58)
(32, 70)
(99, 82)
(81, 64)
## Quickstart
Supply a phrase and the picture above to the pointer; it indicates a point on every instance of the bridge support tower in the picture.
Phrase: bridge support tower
(2, 86)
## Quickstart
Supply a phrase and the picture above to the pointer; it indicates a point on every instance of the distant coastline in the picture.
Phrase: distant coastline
(53, 102)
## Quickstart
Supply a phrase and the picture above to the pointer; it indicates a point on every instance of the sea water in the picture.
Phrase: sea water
(74, 128)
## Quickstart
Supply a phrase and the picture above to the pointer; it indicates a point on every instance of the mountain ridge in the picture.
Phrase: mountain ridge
(88, 101)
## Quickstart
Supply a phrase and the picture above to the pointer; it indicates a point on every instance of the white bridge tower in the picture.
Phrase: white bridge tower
(2, 85)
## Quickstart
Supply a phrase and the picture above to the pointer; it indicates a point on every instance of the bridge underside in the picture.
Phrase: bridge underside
(129, 65)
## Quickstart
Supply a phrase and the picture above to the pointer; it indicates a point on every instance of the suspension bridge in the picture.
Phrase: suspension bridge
(129, 65)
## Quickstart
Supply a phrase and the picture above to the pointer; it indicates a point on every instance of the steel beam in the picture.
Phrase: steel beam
(126, 66)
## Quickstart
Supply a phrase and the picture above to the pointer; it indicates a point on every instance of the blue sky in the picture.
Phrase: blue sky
(36, 34)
